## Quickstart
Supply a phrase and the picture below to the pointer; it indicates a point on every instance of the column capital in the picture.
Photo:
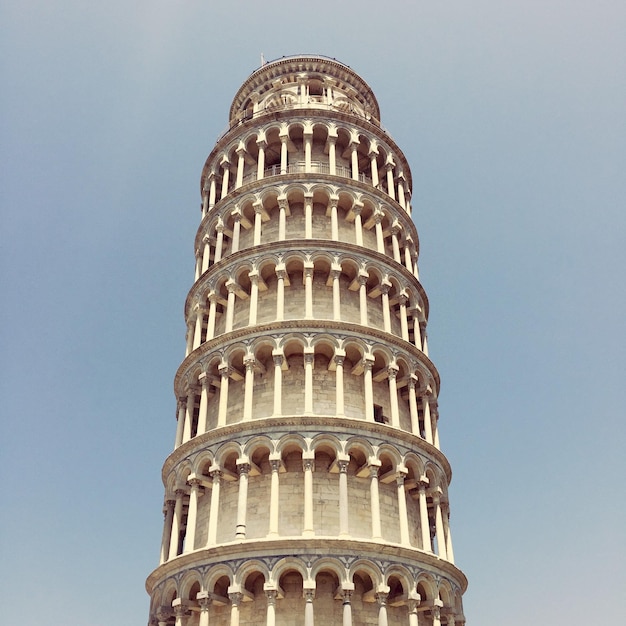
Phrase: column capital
(235, 597)
(243, 467)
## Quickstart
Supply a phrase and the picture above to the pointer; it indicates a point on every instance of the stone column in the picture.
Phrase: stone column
(219, 242)
(340, 356)
(358, 223)
(309, 594)
(283, 153)
(176, 523)
(190, 536)
(309, 357)
(241, 160)
(225, 175)
(258, 220)
(283, 206)
(404, 322)
(368, 391)
(436, 613)
(191, 401)
(374, 466)
(395, 229)
(424, 524)
(441, 540)
(446, 528)
(236, 231)
(347, 608)
(342, 464)
(204, 600)
(210, 327)
(216, 476)
(167, 530)
(275, 464)
(384, 290)
(354, 159)
(235, 601)
(231, 286)
(332, 160)
(249, 363)
(280, 292)
(402, 510)
(253, 275)
(308, 140)
(212, 190)
(392, 373)
(205, 383)
(260, 169)
(362, 278)
(401, 198)
(334, 225)
(428, 425)
(224, 370)
(378, 226)
(308, 289)
(243, 467)
(335, 274)
(278, 358)
(374, 165)
(197, 333)
(270, 618)
(180, 424)
(308, 464)
(181, 612)
(206, 254)
(308, 215)
(424, 338)
(415, 422)
(381, 598)
(390, 186)
(412, 605)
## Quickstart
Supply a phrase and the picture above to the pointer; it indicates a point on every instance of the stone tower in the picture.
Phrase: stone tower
(306, 485)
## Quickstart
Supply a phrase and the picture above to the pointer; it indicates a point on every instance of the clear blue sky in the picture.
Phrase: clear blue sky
(512, 116)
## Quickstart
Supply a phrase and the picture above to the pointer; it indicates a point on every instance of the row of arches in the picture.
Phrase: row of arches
(306, 284)
(308, 146)
(290, 590)
(311, 211)
(289, 485)
(320, 373)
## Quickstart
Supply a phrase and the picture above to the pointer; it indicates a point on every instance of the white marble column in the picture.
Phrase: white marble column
(428, 425)
(231, 286)
(308, 141)
(347, 608)
(219, 241)
(354, 159)
(308, 465)
(385, 286)
(235, 601)
(339, 357)
(381, 598)
(362, 278)
(225, 176)
(205, 385)
(236, 215)
(279, 360)
(309, 594)
(390, 186)
(180, 424)
(358, 223)
(181, 612)
(197, 333)
(242, 501)
(176, 524)
(224, 370)
(210, 327)
(260, 166)
(335, 274)
(192, 514)
(412, 605)
(212, 190)
(216, 477)
(374, 166)
(204, 601)
(378, 227)
(392, 374)
(241, 161)
(253, 275)
(309, 358)
(206, 254)
(270, 617)
(284, 139)
(344, 531)
(424, 523)
(395, 244)
(275, 464)
(441, 539)
(280, 292)
(308, 215)
(191, 402)
(283, 209)
(404, 322)
(308, 289)
(445, 506)
(249, 363)
(258, 221)
(334, 224)
(402, 509)
(374, 466)
(332, 159)
(167, 530)
(415, 422)
(368, 387)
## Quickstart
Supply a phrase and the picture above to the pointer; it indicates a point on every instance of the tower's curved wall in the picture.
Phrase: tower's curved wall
(306, 482)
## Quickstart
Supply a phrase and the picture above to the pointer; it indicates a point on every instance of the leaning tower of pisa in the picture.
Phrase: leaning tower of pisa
(306, 485)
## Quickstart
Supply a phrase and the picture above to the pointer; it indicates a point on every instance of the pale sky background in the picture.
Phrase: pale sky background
(513, 118)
